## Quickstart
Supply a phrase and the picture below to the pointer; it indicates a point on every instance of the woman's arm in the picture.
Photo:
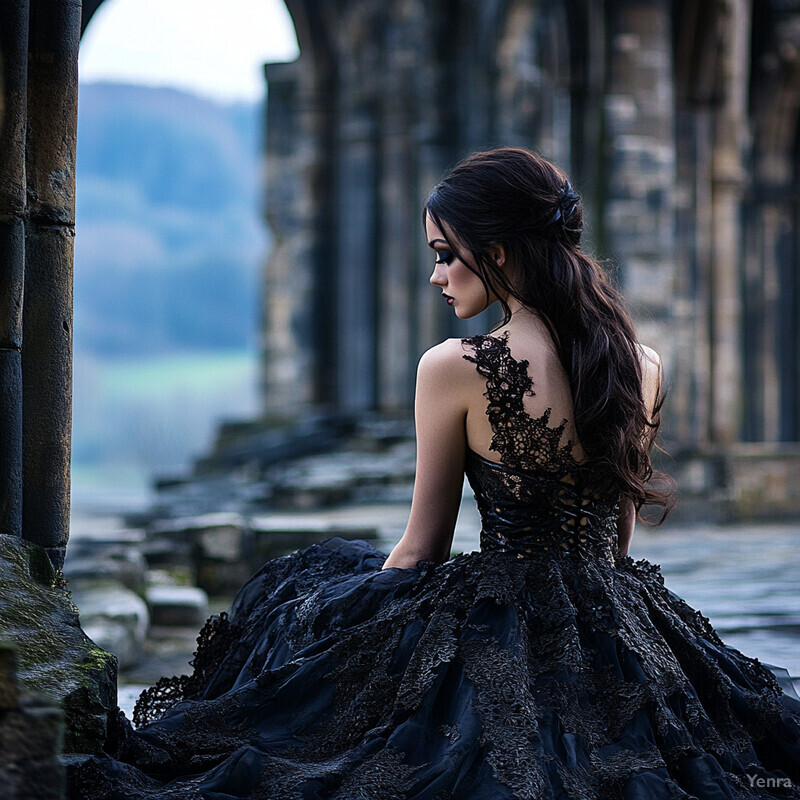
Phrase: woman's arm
(440, 413)
(651, 392)
(625, 523)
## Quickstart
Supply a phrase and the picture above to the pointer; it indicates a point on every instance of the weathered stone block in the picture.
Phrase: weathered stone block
(31, 740)
(279, 534)
(217, 545)
(33, 731)
(222, 543)
(105, 607)
(100, 561)
(115, 636)
(55, 656)
(763, 481)
(189, 528)
(177, 605)
(222, 577)
(14, 47)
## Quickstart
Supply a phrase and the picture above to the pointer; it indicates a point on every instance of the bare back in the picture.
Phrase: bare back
(550, 398)
(532, 350)
(452, 400)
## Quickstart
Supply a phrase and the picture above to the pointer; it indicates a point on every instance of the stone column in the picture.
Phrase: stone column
(771, 341)
(400, 229)
(402, 109)
(357, 270)
(728, 179)
(639, 120)
(696, 242)
(52, 110)
(287, 376)
(14, 52)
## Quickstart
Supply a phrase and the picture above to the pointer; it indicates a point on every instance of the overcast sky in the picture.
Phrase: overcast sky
(188, 44)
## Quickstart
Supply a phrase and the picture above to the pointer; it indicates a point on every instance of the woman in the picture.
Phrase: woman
(546, 665)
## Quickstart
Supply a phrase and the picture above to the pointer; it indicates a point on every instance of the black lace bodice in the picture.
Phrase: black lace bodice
(539, 501)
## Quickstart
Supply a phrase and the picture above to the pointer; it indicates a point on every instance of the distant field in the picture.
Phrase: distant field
(200, 372)
(137, 417)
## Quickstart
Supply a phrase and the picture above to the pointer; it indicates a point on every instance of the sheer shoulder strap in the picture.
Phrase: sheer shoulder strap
(522, 441)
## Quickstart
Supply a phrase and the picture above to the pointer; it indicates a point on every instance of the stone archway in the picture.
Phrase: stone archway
(88, 11)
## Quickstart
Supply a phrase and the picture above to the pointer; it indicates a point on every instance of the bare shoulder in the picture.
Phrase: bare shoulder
(651, 375)
(444, 377)
(445, 359)
(651, 363)
(650, 358)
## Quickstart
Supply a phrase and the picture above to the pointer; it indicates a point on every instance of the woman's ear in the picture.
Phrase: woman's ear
(498, 254)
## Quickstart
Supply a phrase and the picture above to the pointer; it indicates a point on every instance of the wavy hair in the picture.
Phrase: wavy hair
(515, 198)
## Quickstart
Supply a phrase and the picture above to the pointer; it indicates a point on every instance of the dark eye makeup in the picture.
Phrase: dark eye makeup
(444, 256)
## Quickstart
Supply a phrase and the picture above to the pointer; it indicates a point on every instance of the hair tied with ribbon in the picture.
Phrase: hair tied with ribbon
(566, 206)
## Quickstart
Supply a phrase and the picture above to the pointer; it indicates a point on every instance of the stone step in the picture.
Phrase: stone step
(177, 605)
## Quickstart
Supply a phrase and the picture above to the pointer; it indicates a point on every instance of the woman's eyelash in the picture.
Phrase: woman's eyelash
(443, 256)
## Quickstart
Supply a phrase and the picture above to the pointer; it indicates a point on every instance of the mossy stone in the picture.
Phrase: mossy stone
(55, 657)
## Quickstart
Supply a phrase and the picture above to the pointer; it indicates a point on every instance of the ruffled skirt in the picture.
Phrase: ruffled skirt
(484, 678)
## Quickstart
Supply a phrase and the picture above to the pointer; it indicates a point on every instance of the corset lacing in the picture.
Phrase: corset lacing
(539, 502)
(554, 518)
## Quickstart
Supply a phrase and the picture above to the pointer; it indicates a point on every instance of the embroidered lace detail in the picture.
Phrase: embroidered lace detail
(508, 716)
(539, 502)
(523, 442)
(213, 642)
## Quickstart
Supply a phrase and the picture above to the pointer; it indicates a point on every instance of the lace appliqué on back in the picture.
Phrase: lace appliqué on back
(523, 442)
(538, 500)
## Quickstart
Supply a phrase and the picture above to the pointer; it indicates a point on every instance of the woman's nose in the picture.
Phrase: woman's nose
(437, 279)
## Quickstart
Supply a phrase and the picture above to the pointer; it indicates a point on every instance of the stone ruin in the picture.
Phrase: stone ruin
(678, 119)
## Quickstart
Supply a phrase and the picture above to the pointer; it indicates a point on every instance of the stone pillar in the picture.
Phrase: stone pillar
(776, 229)
(288, 366)
(356, 263)
(728, 173)
(299, 369)
(14, 52)
(400, 228)
(770, 313)
(638, 220)
(533, 83)
(52, 110)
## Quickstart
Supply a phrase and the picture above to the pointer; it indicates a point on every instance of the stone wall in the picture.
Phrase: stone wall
(31, 737)
(677, 120)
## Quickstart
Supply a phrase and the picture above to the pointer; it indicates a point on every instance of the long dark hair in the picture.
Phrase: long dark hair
(515, 198)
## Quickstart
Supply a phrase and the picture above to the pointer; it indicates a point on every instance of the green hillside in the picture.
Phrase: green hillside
(168, 255)
(169, 243)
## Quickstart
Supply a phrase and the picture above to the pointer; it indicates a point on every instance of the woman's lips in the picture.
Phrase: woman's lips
(448, 298)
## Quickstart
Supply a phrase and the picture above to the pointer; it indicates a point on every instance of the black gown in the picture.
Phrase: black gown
(542, 666)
